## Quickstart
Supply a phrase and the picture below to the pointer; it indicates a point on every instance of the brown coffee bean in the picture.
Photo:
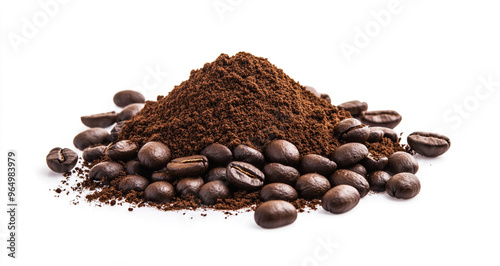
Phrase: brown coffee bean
(249, 155)
(347, 177)
(351, 130)
(326, 97)
(115, 131)
(388, 133)
(100, 120)
(133, 167)
(403, 186)
(61, 160)
(358, 168)
(278, 191)
(127, 97)
(154, 155)
(386, 118)
(354, 107)
(374, 163)
(244, 176)
(189, 185)
(133, 182)
(429, 144)
(105, 170)
(349, 154)
(275, 213)
(93, 153)
(340, 199)
(195, 165)
(89, 137)
(129, 111)
(377, 180)
(402, 162)
(279, 173)
(159, 192)
(313, 90)
(312, 186)
(314, 163)
(122, 150)
(162, 175)
(217, 154)
(376, 135)
(212, 191)
(283, 152)
(217, 173)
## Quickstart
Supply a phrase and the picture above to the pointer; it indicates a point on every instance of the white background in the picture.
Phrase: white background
(426, 61)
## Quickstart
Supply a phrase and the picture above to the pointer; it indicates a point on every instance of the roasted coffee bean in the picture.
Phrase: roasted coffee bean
(127, 97)
(349, 154)
(212, 191)
(133, 182)
(278, 191)
(129, 111)
(403, 186)
(388, 133)
(154, 155)
(351, 130)
(275, 213)
(358, 168)
(340, 199)
(376, 135)
(105, 170)
(61, 160)
(313, 90)
(91, 137)
(195, 165)
(326, 97)
(133, 167)
(314, 163)
(312, 186)
(385, 118)
(279, 173)
(249, 155)
(283, 152)
(93, 153)
(347, 177)
(100, 120)
(217, 173)
(244, 176)
(122, 150)
(377, 180)
(354, 107)
(217, 154)
(162, 175)
(159, 192)
(189, 185)
(374, 163)
(429, 144)
(115, 131)
(402, 162)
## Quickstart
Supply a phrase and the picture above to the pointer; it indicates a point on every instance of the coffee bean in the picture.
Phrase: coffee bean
(61, 160)
(159, 192)
(91, 137)
(127, 97)
(122, 150)
(402, 162)
(115, 131)
(283, 152)
(93, 153)
(244, 176)
(217, 154)
(340, 199)
(100, 120)
(429, 144)
(347, 177)
(354, 107)
(217, 173)
(105, 170)
(349, 154)
(279, 173)
(154, 155)
(312, 186)
(189, 185)
(129, 111)
(313, 90)
(386, 118)
(376, 135)
(351, 130)
(374, 163)
(212, 191)
(278, 191)
(403, 186)
(162, 175)
(326, 97)
(377, 180)
(133, 167)
(133, 182)
(314, 163)
(388, 133)
(195, 165)
(249, 155)
(358, 168)
(275, 213)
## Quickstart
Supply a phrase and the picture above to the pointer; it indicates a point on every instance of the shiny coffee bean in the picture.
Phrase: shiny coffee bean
(115, 131)
(278, 191)
(162, 175)
(154, 155)
(340, 199)
(61, 160)
(189, 185)
(89, 137)
(283, 152)
(275, 213)
(105, 170)
(159, 192)
(358, 168)
(249, 155)
(100, 120)
(402, 162)
(217, 173)
(349, 154)
(376, 135)
(129, 111)
(312, 186)
(377, 180)
(314, 163)
(127, 97)
(354, 107)
(386, 118)
(403, 186)
(351, 130)
(133, 167)
(347, 177)
(122, 150)
(279, 173)
(388, 133)
(313, 90)
(429, 144)
(93, 153)
(217, 154)
(326, 97)
(212, 191)
(374, 163)
(195, 165)
(244, 176)
(133, 182)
